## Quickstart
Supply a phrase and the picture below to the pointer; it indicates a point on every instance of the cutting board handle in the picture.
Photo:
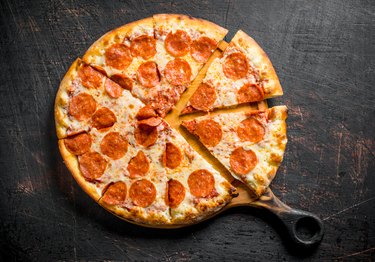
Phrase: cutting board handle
(295, 221)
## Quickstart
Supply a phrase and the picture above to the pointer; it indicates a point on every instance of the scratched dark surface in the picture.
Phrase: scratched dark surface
(324, 53)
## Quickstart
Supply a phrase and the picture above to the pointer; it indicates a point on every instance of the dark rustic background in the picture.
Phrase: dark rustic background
(324, 53)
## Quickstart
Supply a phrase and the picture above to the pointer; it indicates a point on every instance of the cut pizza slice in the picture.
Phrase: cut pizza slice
(86, 99)
(250, 145)
(242, 74)
(183, 46)
(195, 188)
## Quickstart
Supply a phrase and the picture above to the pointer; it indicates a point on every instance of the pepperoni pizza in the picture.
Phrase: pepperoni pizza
(109, 114)
(242, 74)
(249, 144)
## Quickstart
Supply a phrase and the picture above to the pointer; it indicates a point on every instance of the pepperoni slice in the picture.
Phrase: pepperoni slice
(118, 56)
(142, 192)
(172, 156)
(146, 133)
(78, 144)
(251, 130)
(113, 89)
(250, 93)
(143, 46)
(138, 165)
(201, 183)
(236, 66)
(243, 161)
(146, 112)
(103, 118)
(209, 132)
(115, 193)
(176, 193)
(178, 72)
(114, 145)
(92, 165)
(202, 49)
(148, 74)
(82, 106)
(123, 81)
(90, 77)
(153, 121)
(177, 44)
(204, 97)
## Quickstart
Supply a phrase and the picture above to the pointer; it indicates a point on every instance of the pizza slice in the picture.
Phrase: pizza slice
(250, 145)
(87, 98)
(195, 189)
(242, 74)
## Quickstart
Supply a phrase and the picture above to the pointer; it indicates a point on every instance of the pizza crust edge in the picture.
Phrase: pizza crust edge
(200, 24)
(104, 40)
(272, 87)
(71, 161)
(61, 101)
(279, 113)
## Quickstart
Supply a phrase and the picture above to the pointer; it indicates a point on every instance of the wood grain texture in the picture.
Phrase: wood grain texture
(324, 54)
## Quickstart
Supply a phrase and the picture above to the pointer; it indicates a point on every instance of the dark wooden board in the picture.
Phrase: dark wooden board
(324, 53)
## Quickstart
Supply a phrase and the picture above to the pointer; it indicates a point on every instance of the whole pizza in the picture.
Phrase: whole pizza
(110, 114)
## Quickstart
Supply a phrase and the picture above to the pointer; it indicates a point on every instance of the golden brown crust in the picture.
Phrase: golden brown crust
(201, 25)
(201, 212)
(261, 61)
(136, 215)
(71, 162)
(62, 100)
(205, 208)
(277, 113)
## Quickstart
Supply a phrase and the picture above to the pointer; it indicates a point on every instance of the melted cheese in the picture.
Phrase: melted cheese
(158, 174)
(97, 58)
(226, 89)
(125, 103)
